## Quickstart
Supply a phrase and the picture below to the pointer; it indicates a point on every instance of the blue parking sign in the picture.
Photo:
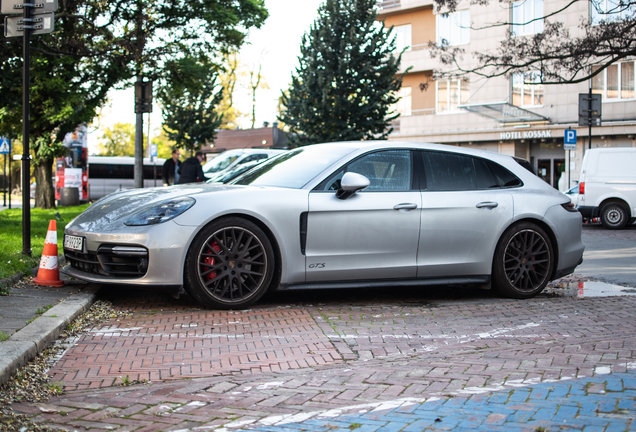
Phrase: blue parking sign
(5, 145)
(569, 139)
(153, 150)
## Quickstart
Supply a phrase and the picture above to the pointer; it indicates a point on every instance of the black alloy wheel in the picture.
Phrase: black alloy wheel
(523, 261)
(230, 264)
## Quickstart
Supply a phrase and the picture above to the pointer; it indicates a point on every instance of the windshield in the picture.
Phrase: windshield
(220, 162)
(295, 168)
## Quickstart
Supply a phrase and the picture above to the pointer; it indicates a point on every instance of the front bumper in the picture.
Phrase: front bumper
(152, 255)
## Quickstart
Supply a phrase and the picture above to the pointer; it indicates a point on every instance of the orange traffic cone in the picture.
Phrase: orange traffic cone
(49, 272)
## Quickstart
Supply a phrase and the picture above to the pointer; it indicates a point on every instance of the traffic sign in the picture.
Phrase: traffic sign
(153, 150)
(40, 24)
(15, 7)
(569, 139)
(5, 145)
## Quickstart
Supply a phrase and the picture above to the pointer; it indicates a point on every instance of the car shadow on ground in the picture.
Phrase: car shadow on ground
(129, 297)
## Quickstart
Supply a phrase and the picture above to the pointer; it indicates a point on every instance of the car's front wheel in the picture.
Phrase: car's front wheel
(614, 216)
(230, 264)
(523, 262)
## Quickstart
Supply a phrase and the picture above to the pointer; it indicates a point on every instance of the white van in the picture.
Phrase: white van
(607, 186)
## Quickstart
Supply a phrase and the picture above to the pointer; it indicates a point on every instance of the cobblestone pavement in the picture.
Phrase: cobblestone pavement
(391, 359)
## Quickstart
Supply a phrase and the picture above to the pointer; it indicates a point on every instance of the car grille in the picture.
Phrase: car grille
(111, 260)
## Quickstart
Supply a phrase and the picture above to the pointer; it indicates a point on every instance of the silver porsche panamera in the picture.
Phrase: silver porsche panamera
(349, 214)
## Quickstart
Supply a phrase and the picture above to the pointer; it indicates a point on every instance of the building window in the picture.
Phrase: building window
(453, 28)
(402, 37)
(611, 10)
(527, 17)
(616, 82)
(403, 105)
(527, 89)
(451, 93)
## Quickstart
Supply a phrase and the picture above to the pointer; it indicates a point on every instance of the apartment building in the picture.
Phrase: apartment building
(514, 115)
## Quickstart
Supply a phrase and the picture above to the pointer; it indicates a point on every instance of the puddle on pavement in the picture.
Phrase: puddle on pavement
(590, 289)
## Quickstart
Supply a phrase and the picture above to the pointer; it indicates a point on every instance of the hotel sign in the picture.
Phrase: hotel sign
(526, 134)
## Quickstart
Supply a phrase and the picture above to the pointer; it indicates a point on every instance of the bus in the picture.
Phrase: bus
(108, 174)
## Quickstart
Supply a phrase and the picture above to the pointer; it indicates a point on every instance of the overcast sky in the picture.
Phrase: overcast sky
(276, 45)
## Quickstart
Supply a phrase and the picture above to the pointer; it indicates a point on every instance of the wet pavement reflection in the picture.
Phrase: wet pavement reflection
(583, 289)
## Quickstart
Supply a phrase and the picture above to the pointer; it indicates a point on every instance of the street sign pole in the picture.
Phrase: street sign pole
(589, 118)
(4, 183)
(569, 144)
(26, 168)
(10, 183)
(37, 18)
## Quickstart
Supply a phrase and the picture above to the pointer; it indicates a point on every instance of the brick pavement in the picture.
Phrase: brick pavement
(593, 404)
(381, 349)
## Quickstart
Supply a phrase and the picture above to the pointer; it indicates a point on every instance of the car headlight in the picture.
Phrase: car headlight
(159, 213)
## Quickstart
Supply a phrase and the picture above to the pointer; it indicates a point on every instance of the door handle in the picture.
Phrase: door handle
(405, 206)
(487, 204)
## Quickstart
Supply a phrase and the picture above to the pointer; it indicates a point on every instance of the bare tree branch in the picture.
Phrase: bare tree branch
(559, 57)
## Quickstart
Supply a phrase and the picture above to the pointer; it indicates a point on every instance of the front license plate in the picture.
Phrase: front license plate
(73, 242)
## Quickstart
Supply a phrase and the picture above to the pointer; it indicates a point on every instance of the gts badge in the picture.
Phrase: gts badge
(317, 265)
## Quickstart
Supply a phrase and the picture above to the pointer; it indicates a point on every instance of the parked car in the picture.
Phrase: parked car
(607, 186)
(228, 175)
(349, 214)
(573, 193)
(231, 158)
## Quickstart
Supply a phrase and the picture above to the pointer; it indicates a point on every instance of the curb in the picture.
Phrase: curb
(11, 279)
(31, 340)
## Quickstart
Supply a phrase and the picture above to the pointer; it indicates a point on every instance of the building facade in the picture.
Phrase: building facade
(266, 137)
(514, 115)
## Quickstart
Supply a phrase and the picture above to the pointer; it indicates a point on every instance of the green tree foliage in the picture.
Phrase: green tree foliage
(98, 46)
(72, 70)
(118, 140)
(346, 81)
(189, 101)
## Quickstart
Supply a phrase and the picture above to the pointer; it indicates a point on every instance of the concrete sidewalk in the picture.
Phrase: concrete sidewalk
(35, 316)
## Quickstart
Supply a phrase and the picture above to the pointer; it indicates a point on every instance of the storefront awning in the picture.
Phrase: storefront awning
(503, 112)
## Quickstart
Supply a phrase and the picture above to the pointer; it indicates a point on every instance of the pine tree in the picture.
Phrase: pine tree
(347, 79)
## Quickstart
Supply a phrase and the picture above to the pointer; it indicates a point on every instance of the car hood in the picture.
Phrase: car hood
(113, 209)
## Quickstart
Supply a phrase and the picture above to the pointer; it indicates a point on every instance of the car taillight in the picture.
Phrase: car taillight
(569, 207)
(582, 188)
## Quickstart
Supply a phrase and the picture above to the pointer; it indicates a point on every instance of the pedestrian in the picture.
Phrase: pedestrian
(170, 172)
(191, 170)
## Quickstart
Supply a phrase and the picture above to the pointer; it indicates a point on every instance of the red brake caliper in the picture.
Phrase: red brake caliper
(211, 261)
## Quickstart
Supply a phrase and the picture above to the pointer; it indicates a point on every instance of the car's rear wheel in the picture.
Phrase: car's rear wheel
(230, 264)
(614, 216)
(523, 262)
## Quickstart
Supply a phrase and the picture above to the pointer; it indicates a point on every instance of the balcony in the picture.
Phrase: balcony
(388, 4)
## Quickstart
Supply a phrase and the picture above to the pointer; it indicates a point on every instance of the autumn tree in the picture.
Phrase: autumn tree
(229, 77)
(606, 36)
(257, 81)
(118, 140)
(347, 77)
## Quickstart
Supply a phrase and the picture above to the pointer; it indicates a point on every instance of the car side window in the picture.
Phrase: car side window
(449, 172)
(454, 172)
(389, 170)
(503, 177)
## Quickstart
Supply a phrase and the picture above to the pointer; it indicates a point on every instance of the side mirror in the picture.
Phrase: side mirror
(351, 183)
